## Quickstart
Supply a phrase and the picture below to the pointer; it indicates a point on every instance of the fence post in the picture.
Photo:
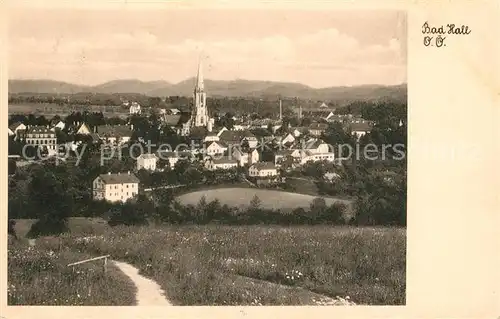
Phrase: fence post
(105, 264)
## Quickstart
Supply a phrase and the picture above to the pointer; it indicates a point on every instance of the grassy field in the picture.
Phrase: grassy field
(39, 276)
(251, 265)
(271, 199)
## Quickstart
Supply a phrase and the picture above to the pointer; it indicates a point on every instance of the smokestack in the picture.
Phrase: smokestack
(281, 111)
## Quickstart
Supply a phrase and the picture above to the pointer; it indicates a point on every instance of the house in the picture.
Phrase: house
(42, 136)
(135, 108)
(288, 139)
(263, 169)
(245, 157)
(114, 134)
(298, 131)
(147, 162)
(316, 129)
(236, 138)
(115, 187)
(222, 163)
(174, 111)
(18, 128)
(283, 155)
(324, 105)
(241, 127)
(215, 148)
(83, 130)
(360, 128)
(315, 146)
(211, 137)
(173, 157)
(58, 125)
(308, 156)
(11, 133)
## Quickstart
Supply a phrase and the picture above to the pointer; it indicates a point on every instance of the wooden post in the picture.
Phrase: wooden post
(105, 264)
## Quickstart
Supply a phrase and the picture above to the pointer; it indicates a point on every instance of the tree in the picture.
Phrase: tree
(255, 203)
(51, 202)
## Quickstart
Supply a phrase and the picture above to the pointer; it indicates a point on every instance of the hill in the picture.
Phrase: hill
(233, 88)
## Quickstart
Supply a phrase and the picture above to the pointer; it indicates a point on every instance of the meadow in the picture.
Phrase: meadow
(39, 275)
(247, 265)
(270, 199)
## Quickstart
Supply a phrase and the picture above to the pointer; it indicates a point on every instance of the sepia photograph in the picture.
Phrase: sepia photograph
(207, 157)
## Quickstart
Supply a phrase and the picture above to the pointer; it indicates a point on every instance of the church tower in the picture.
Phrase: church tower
(199, 115)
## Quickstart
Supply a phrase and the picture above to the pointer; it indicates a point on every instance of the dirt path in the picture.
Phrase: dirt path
(149, 293)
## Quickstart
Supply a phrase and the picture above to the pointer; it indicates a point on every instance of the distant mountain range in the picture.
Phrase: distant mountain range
(233, 88)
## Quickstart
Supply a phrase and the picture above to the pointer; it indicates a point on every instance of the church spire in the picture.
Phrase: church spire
(200, 85)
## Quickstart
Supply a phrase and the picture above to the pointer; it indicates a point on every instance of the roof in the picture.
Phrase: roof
(313, 144)
(171, 119)
(13, 126)
(264, 166)
(198, 132)
(148, 156)
(220, 144)
(40, 130)
(363, 127)
(166, 154)
(119, 178)
(231, 136)
(114, 131)
(318, 126)
(224, 161)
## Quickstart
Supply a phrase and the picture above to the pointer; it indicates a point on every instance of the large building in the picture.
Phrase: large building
(43, 137)
(115, 187)
(200, 116)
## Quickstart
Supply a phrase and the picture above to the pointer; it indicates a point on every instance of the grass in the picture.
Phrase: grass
(271, 199)
(39, 276)
(252, 265)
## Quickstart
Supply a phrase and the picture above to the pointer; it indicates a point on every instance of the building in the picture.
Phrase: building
(173, 157)
(115, 187)
(83, 130)
(284, 155)
(239, 138)
(263, 169)
(18, 129)
(316, 129)
(223, 163)
(216, 148)
(199, 114)
(114, 134)
(249, 157)
(316, 146)
(147, 162)
(58, 125)
(135, 108)
(360, 128)
(211, 137)
(308, 156)
(42, 136)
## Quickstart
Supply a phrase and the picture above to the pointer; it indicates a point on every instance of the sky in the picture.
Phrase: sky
(316, 48)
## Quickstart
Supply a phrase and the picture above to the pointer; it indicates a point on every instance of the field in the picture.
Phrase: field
(248, 265)
(39, 276)
(271, 199)
(49, 110)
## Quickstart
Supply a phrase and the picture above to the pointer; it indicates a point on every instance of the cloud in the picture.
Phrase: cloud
(321, 58)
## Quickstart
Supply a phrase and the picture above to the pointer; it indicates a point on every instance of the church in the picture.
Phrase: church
(200, 121)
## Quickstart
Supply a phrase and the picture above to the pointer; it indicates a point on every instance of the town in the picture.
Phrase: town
(199, 161)
(261, 150)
